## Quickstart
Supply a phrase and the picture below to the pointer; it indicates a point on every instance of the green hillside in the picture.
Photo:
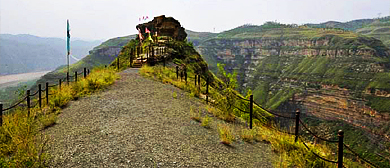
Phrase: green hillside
(277, 61)
(101, 55)
(377, 28)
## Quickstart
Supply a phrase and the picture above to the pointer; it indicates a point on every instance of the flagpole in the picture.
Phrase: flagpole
(68, 42)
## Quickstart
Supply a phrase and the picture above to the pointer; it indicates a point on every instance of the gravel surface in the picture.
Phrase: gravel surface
(136, 122)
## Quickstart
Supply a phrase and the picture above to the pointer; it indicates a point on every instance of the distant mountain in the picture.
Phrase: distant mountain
(27, 53)
(377, 28)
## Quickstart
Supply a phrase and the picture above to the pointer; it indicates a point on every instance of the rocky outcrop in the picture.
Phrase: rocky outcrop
(164, 26)
(107, 51)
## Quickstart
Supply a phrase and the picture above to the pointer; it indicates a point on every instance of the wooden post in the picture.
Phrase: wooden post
(251, 111)
(181, 75)
(207, 90)
(199, 81)
(85, 71)
(152, 52)
(297, 125)
(341, 150)
(47, 93)
(67, 77)
(75, 76)
(28, 102)
(40, 95)
(1, 114)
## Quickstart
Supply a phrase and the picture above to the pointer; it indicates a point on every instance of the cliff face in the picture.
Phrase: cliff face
(335, 74)
(164, 26)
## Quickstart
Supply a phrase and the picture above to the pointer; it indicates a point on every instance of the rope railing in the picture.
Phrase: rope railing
(34, 93)
(273, 113)
(40, 97)
(314, 135)
(303, 142)
(357, 155)
(299, 121)
(240, 109)
(242, 98)
(16, 104)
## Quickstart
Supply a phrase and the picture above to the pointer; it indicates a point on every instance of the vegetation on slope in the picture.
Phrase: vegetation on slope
(22, 140)
(222, 95)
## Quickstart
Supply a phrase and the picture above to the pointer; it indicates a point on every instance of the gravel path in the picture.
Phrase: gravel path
(137, 123)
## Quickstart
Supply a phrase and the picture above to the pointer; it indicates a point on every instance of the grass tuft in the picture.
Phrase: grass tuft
(225, 134)
(247, 135)
(206, 121)
(22, 143)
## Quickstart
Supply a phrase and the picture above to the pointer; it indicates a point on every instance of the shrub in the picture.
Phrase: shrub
(206, 121)
(195, 116)
(225, 134)
(247, 135)
(174, 95)
(21, 143)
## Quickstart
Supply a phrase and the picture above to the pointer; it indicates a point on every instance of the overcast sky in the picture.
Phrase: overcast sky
(104, 19)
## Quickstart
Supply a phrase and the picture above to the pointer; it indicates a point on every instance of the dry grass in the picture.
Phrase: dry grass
(225, 134)
(21, 142)
(206, 121)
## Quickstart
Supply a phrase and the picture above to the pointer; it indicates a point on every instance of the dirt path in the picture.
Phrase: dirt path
(138, 123)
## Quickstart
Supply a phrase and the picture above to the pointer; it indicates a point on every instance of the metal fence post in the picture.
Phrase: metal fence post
(28, 102)
(47, 93)
(341, 150)
(297, 124)
(40, 95)
(88, 72)
(1, 114)
(59, 84)
(75, 76)
(251, 111)
(85, 71)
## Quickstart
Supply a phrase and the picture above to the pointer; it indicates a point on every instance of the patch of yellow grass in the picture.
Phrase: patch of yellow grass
(225, 134)
(21, 142)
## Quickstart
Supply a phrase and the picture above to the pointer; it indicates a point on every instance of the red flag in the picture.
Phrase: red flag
(146, 30)
(146, 17)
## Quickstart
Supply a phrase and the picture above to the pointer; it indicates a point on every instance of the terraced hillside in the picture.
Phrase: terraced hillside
(378, 28)
(334, 74)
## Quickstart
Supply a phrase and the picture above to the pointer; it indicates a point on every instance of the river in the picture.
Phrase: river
(13, 80)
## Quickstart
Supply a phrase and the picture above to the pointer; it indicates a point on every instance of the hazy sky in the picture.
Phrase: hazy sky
(104, 19)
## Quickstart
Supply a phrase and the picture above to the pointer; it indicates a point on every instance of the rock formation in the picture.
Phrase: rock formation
(164, 26)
